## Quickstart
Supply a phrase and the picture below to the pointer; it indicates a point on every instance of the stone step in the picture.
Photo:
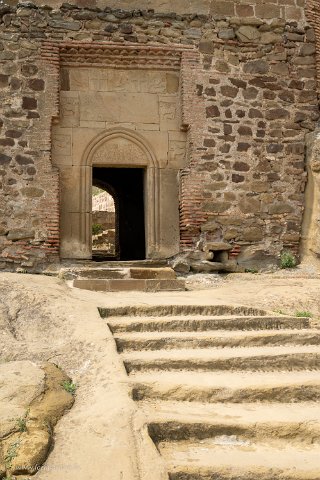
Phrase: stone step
(227, 458)
(205, 323)
(130, 284)
(289, 358)
(125, 273)
(153, 273)
(177, 421)
(220, 338)
(167, 310)
(232, 387)
(102, 273)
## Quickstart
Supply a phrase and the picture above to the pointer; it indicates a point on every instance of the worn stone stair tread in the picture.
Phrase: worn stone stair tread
(129, 284)
(128, 341)
(231, 380)
(241, 462)
(224, 386)
(196, 323)
(228, 413)
(245, 358)
(204, 354)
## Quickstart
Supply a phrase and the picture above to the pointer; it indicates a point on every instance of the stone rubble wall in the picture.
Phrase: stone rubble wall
(103, 201)
(257, 78)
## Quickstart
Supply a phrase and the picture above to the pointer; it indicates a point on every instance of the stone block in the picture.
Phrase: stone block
(78, 79)
(268, 10)
(247, 33)
(20, 234)
(74, 243)
(152, 273)
(169, 113)
(71, 180)
(159, 144)
(217, 246)
(222, 7)
(244, 10)
(110, 107)
(81, 137)
(169, 219)
(177, 150)
(127, 81)
(61, 143)
(69, 109)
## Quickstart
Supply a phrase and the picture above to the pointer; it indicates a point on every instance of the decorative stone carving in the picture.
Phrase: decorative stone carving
(119, 151)
(61, 145)
(168, 109)
(162, 58)
(177, 153)
(69, 110)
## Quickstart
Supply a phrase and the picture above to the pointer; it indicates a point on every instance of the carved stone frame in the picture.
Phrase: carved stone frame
(182, 58)
(147, 160)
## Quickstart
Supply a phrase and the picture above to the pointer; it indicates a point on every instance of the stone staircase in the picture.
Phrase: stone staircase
(226, 393)
(125, 276)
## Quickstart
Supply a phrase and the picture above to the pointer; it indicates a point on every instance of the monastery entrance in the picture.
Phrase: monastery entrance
(120, 130)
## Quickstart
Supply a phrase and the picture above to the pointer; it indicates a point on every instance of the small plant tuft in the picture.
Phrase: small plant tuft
(12, 452)
(69, 386)
(304, 314)
(288, 260)
(97, 228)
(22, 422)
(251, 270)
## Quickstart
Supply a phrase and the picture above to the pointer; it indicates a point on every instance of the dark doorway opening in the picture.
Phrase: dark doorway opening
(126, 185)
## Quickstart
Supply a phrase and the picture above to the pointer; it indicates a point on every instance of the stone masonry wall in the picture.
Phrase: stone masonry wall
(257, 78)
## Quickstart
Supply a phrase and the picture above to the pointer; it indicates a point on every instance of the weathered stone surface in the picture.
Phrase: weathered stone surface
(246, 33)
(32, 192)
(20, 234)
(4, 159)
(256, 66)
(21, 383)
(63, 25)
(226, 34)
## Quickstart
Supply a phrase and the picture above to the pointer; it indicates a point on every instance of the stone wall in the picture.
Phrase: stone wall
(103, 201)
(246, 175)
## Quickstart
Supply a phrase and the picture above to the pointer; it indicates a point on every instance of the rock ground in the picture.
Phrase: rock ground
(104, 434)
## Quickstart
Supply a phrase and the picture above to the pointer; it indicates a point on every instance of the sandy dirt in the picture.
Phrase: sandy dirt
(103, 436)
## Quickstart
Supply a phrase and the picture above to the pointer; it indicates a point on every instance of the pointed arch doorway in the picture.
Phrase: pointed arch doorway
(124, 149)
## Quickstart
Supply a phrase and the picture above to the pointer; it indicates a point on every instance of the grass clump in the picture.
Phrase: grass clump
(22, 422)
(288, 260)
(304, 314)
(69, 387)
(11, 454)
(97, 228)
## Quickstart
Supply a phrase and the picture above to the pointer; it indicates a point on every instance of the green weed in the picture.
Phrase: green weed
(288, 260)
(69, 387)
(304, 314)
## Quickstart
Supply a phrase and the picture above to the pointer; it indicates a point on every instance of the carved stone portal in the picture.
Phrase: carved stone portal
(120, 148)
(119, 118)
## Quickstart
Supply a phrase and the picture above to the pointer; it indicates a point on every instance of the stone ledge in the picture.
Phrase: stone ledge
(121, 285)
